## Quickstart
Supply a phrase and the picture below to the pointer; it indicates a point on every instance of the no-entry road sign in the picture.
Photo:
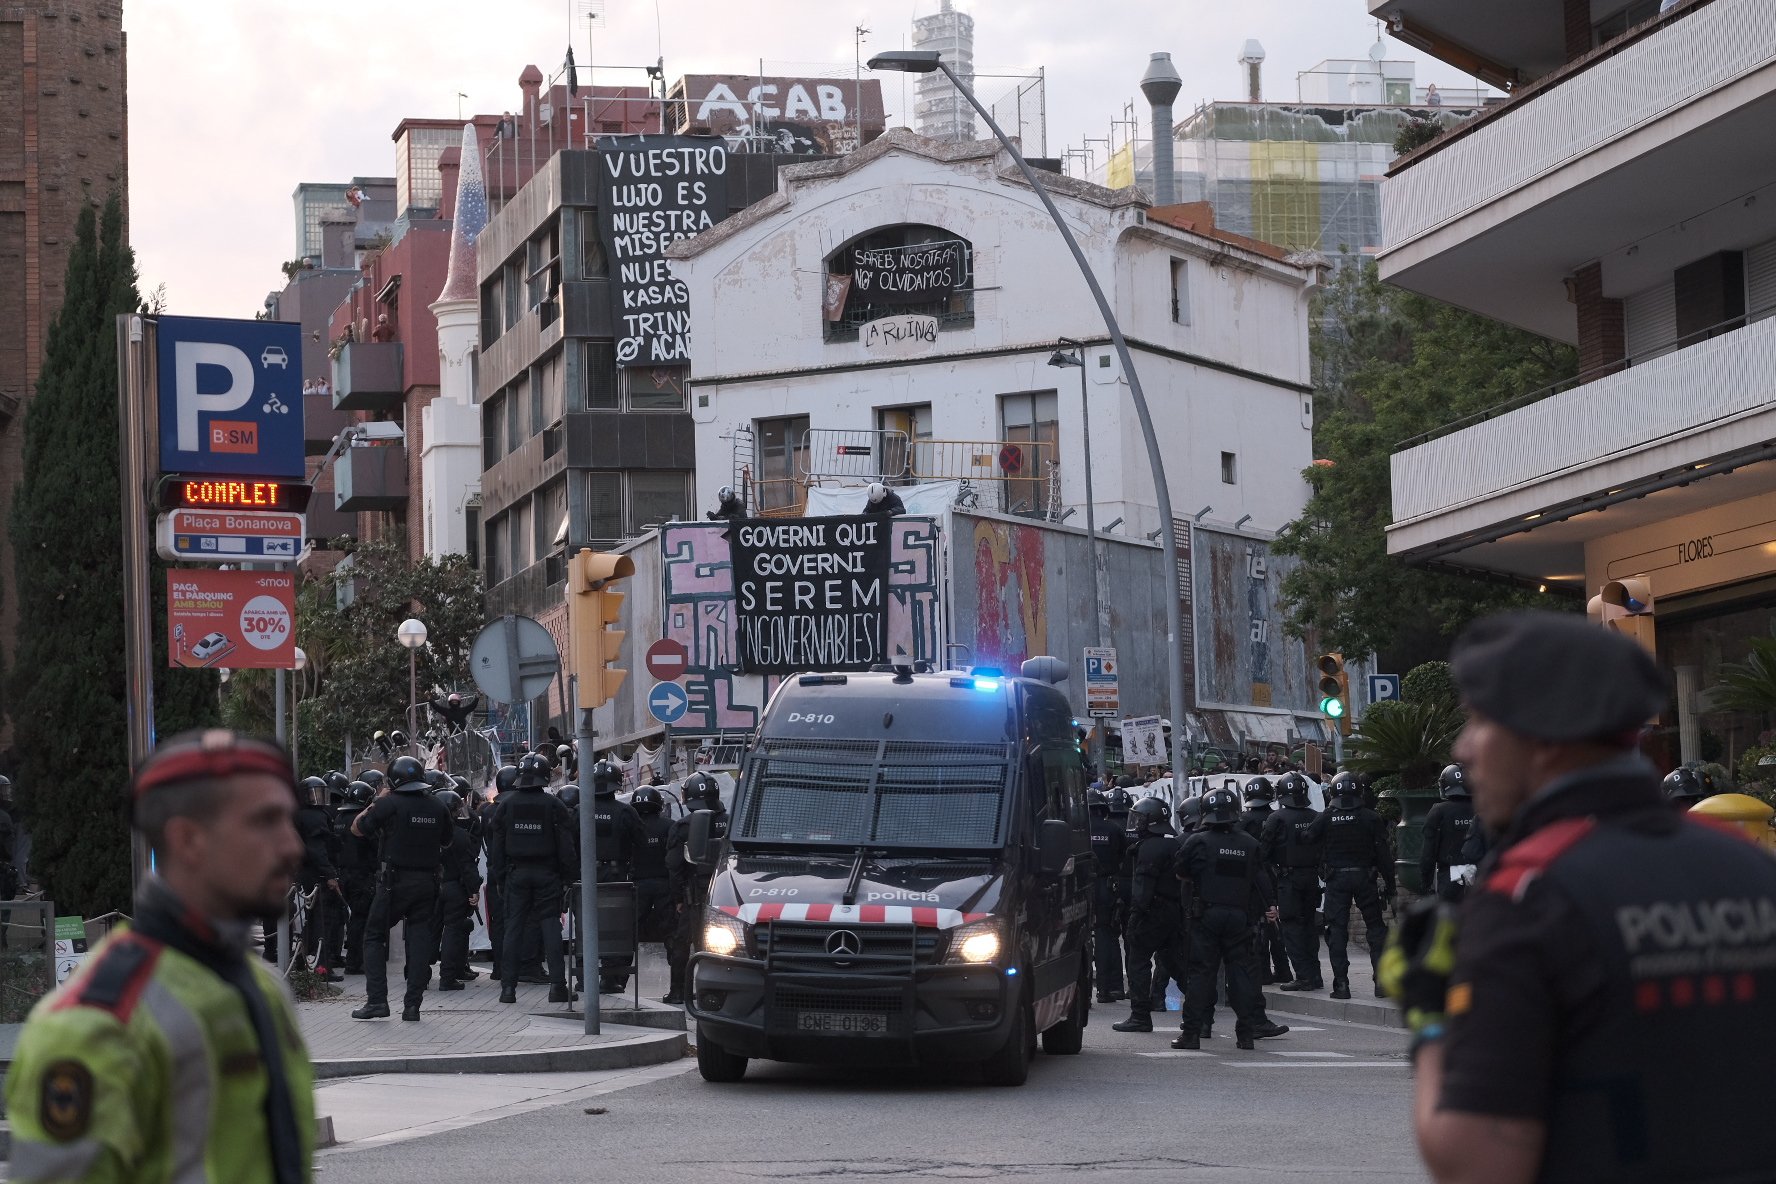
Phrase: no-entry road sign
(667, 659)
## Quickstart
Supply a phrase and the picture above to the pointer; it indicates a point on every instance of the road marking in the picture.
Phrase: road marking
(1178, 1053)
(1319, 1064)
(1344, 1055)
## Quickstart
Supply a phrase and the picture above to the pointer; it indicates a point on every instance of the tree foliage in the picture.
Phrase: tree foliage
(68, 677)
(1410, 740)
(1431, 682)
(356, 680)
(1390, 365)
(1750, 686)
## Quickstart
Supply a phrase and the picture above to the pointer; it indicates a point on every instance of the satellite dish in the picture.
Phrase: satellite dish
(1378, 51)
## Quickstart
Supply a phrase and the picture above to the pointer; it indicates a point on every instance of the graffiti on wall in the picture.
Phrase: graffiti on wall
(1244, 657)
(1011, 622)
(697, 579)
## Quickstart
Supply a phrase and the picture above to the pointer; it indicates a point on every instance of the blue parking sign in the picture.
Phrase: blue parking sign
(1384, 688)
(230, 397)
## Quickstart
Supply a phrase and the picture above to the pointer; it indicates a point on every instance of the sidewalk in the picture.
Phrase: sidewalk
(1361, 1008)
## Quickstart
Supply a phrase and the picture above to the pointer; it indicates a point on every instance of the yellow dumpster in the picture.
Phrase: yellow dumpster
(1743, 811)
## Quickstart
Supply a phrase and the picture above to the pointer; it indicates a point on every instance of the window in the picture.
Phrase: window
(1229, 469)
(539, 381)
(1618, 23)
(497, 544)
(514, 286)
(782, 453)
(472, 520)
(542, 259)
(911, 457)
(654, 388)
(953, 307)
(1031, 432)
(551, 509)
(592, 263)
(520, 518)
(598, 381)
(493, 436)
(604, 508)
(514, 418)
(492, 300)
(656, 498)
(1180, 292)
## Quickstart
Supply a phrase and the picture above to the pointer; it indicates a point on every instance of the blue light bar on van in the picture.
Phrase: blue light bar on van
(972, 683)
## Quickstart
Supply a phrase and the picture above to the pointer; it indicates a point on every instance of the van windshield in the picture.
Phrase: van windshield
(885, 794)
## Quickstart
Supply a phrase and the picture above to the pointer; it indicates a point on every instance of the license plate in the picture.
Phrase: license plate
(842, 1023)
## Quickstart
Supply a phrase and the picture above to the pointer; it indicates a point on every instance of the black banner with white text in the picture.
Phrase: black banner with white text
(811, 593)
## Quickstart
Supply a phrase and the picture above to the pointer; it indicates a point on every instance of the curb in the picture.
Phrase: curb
(670, 1019)
(628, 1048)
(1379, 1012)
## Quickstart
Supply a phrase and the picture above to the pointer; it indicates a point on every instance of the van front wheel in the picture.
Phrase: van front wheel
(1011, 1064)
(1066, 1038)
(716, 1063)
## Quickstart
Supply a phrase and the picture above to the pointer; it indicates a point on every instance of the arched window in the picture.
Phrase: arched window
(928, 270)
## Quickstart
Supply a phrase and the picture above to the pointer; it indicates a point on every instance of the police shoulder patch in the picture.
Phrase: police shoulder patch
(65, 1103)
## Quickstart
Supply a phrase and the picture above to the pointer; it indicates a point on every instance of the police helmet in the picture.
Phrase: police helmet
(337, 781)
(505, 778)
(313, 791)
(1684, 787)
(1121, 802)
(701, 792)
(450, 800)
(570, 796)
(647, 800)
(548, 755)
(460, 784)
(1292, 790)
(398, 738)
(373, 778)
(1190, 813)
(1220, 807)
(406, 773)
(533, 771)
(564, 754)
(605, 779)
(1150, 816)
(437, 779)
(359, 793)
(5, 789)
(1258, 789)
(1453, 782)
(1346, 791)
(1098, 802)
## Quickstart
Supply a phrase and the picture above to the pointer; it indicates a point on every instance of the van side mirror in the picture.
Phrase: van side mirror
(697, 842)
(1054, 848)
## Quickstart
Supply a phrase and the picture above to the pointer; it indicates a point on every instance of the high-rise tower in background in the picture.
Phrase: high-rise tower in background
(941, 113)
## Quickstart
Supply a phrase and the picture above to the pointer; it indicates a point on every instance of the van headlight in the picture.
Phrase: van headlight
(723, 935)
(973, 944)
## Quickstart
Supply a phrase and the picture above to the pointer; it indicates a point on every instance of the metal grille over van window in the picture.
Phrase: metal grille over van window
(897, 794)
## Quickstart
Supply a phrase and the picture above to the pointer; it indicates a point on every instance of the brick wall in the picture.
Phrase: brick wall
(1602, 336)
(63, 144)
(1578, 28)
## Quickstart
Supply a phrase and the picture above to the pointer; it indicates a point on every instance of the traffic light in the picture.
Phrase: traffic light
(592, 607)
(1335, 691)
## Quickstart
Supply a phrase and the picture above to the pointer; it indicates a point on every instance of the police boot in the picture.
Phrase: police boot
(410, 1013)
(450, 984)
(508, 995)
(1187, 1041)
(673, 998)
(1299, 984)
(1268, 1029)
(372, 1011)
(1246, 1042)
(1341, 987)
(1138, 1021)
(560, 995)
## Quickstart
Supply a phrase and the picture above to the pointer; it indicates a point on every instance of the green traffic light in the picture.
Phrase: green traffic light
(1332, 706)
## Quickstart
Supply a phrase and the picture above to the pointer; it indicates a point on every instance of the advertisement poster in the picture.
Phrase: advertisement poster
(811, 593)
(238, 620)
(70, 947)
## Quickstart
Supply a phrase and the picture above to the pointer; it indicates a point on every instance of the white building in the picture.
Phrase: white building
(1624, 201)
(797, 393)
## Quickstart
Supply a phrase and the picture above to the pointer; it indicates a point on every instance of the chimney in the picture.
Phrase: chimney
(449, 164)
(1252, 58)
(531, 83)
(1161, 85)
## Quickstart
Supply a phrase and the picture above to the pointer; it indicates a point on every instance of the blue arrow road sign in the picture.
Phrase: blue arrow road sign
(1384, 688)
(230, 397)
(668, 702)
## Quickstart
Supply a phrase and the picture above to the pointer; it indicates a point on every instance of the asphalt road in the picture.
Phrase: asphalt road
(1329, 1104)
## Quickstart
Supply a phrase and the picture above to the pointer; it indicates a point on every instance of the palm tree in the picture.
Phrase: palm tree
(1750, 686)
(1412, 740)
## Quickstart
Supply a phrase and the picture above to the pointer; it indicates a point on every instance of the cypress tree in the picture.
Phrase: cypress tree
(67, 682)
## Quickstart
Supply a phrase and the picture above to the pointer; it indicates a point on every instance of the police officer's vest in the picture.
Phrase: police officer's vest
(650, 857)
(1298, 849)
(1455, 819)
(530, 826)
(1153, 861)
(1659, 1080)
(415, 832)
(1350, 839)
(1107, 846)
(613, 844)
(1226, 879)
(355, 854)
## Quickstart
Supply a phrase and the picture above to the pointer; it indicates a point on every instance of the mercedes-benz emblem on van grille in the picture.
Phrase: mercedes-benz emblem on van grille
(842, 943)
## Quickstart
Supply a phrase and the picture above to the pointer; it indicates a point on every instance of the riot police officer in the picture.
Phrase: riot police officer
(504, 779)
(1156, 911)
(619, 835)
(690, 879)
(1230, 891)
(357, 870)
(414, 830)
(1683, 787)
(529, 847)
(1356, 852)
(9, 877)
(1446, 830)
(1108, 848)
(653, 885)
(456, 897)
(315, 826)
(1289, 846)
(1273, 960)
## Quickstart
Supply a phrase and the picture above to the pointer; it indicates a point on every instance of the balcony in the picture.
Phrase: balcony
(321, 421)
(369, 376)
(1690, 426)
(1643, 155)
(371, 478)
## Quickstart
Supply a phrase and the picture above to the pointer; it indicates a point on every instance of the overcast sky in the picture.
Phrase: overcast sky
(233, 102)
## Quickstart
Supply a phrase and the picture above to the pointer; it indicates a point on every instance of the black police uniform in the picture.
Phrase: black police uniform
(1446, 830)
(1109, 846)
(1289, 846)
(529, 846)
(414, 829)
(9, 877)
(456, 916)
(1356, 852)
(1230, 892)
(690, 890)
(315, 828)
(1155, 923)
(1273, 958)
(357, 883)
(619, 836)
(653, 886)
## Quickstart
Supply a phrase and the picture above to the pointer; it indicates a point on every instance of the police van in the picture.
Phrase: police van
(905, 878)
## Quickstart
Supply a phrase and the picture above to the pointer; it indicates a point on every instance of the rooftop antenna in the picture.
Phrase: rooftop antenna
(460, 96)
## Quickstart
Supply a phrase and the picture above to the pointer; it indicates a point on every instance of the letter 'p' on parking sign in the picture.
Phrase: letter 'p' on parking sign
(188, 357)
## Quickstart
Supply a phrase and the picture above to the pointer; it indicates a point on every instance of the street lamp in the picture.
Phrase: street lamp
(925, 61)
(413, 635)
(295, 713)
(1072, 353)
